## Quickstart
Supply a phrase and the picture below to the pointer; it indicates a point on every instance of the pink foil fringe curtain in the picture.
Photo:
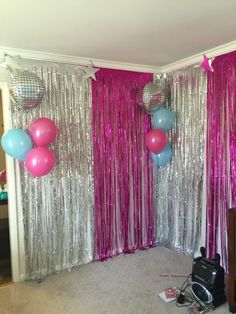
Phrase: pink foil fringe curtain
(221, 152)
(123, 182)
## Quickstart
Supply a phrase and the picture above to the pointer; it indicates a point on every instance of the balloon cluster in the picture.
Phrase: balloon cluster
(3, 192)
(39, 160)
(157, 140)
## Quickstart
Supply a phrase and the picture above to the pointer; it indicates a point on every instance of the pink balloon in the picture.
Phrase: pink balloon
(43, 131)
(3, 175)
(156, 140)
(40, 161)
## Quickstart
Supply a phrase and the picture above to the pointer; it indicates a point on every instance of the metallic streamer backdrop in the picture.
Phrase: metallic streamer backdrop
(124, 215)
(178, 185)
(221, 152)
(58, 208)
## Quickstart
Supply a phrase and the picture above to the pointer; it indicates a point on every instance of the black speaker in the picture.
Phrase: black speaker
(208, 284)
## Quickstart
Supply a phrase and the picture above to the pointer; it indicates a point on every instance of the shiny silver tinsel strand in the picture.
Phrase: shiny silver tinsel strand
(57, 208)
(178, 186)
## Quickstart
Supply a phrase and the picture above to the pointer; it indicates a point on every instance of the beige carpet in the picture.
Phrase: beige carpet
(124, 284)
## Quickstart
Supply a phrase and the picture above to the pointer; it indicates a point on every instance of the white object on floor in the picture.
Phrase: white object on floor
(167, 299)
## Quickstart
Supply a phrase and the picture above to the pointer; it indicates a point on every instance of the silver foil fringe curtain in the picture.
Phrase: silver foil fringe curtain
(178, 186)
(58, 208)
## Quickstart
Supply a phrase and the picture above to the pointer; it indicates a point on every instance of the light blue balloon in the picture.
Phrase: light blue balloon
(163, 119)
(162, 158)
(154, 157)
(16, 143)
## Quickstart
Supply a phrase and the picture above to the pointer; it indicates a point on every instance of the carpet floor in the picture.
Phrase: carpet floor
(125, 284)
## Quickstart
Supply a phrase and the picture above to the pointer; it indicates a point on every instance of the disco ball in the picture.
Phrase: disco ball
(26, 89)
(152, 97)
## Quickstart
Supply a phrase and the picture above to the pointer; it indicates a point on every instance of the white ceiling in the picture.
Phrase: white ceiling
(145, 32)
